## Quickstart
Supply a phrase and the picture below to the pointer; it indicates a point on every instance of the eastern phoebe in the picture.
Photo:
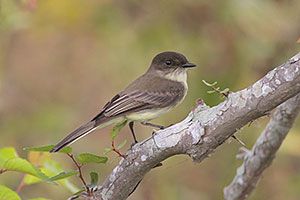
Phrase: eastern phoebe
(163, 86)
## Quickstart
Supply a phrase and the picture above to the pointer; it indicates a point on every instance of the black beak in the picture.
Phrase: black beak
(188, 65)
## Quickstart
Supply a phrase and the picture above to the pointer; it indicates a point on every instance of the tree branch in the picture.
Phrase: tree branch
(203, 130)
(264, 150)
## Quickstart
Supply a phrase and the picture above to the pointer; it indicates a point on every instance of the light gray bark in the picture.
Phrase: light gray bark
(264, 150)
(203, 130)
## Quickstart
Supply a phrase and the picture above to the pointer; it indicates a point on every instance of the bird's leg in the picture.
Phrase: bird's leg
(132, 132)
(153, 125)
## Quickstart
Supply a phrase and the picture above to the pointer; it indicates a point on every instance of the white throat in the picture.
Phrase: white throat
(179, 76)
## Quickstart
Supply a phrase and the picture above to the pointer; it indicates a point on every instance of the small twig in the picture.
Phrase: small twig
(21, 185)
(2, 171)
(79, 166)
(216, 89)
(114, 149)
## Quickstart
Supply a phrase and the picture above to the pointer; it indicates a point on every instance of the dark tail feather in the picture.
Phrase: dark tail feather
(75, 135)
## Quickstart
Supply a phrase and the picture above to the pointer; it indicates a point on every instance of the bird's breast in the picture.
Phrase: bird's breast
(147, 114)
(180, 77)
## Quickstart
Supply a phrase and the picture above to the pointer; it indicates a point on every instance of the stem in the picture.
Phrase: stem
(116, 150)
(80, 173)
(21, 185)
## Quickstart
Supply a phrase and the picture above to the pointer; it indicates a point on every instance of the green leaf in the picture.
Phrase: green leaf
(10, 161)
(7, 153)
(51, 168)
(54, 168)
(8, 194)
(22, 165)
(29, 179)
(63, 175)
(122, 144)
(48, 148)
(85, 158)
(117, 128)
(94, 178)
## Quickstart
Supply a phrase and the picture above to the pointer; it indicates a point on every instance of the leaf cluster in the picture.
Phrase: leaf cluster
(39, 166)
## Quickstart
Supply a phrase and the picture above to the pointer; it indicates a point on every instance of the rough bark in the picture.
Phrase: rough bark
(264, 150)
(203, 130)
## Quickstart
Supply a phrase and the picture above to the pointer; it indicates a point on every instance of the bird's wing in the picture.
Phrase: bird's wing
(135, 101)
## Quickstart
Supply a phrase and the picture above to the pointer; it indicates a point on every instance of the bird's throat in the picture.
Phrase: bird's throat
(178, 76)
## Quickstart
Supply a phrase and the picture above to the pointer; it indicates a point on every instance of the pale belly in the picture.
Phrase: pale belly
(147, 115)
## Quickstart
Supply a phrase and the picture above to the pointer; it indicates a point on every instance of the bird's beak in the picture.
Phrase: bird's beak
(188, 65)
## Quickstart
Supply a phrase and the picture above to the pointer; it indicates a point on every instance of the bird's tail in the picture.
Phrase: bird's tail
(75, 135)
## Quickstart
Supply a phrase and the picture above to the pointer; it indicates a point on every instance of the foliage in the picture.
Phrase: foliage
(48, 148)
(62, 175)
(117, 128)
(8, 194)
(86, 158)
(40, 167)
(10, 161)
(94, 178)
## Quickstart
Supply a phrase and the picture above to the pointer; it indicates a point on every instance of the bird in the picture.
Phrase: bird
(157, 91)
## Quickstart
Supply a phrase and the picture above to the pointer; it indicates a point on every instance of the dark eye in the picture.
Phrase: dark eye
(168, 62)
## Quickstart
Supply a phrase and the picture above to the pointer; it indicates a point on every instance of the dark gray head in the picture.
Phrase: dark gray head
(170, 61)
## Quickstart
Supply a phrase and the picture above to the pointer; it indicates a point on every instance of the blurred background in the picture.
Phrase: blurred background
(61, 61)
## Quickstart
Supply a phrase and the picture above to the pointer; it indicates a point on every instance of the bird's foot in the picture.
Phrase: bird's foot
(134, 143)
(161, 127)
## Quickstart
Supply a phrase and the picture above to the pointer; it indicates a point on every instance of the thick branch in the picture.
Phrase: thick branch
(203, 130)
(264, 150)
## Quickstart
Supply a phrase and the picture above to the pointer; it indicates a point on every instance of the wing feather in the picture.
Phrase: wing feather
(137, 101)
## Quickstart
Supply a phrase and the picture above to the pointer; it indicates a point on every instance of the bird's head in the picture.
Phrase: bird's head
(169, 62)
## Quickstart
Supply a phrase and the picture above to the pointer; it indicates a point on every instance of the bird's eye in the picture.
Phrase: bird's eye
(168, 62)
